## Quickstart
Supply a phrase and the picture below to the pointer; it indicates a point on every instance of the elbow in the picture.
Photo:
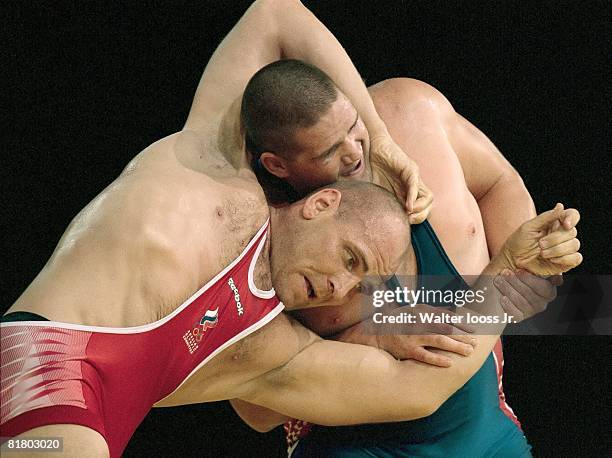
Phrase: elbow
(422, 400)
(425, 407)
(263, 427)
(431, 406)
(258, 418)
(408, 406)
(413, 410)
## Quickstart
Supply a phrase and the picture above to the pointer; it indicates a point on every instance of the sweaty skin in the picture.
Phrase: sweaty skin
(148, 226)
(480, 198)
(179, 212)
(420, 118)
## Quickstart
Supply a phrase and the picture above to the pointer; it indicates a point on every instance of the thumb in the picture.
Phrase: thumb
(541, 221)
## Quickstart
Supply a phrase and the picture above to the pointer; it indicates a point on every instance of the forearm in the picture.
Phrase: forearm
(302, 36)
(504, 208)
(333, 383)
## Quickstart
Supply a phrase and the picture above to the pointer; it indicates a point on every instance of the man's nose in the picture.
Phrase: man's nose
(352, 151)
(342, 284)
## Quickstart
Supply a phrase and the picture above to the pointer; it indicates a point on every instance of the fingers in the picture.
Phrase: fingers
(524, 295)
(422, 206)
(556, 280)
(466, 339)
(511, 309)
(448, 344)
(445, 329)
(568, 261)
(513, 301)
(543, 287)
(567, 220)
(558, 237)
(543, 220)
(456, 328)
(570, 218)
(442, 343)
(442, 329)
(565, 248)
(554, 227)
(428, 357)
(418, 217)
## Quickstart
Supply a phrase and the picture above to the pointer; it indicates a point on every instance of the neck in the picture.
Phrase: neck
(281, 232)
(274, 242)
(276, 226)
(262, 274)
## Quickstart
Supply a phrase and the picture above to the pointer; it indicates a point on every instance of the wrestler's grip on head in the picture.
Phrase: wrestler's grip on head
(395, 171)
(546, 245)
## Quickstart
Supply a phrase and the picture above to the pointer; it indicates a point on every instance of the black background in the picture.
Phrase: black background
(90, 84)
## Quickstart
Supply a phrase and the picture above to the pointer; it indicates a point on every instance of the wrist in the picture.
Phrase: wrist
(379, 135)
(377, 129)
(501, 261)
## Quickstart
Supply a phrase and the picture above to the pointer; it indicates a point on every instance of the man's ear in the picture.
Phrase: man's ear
(274, 164)
(325, 201)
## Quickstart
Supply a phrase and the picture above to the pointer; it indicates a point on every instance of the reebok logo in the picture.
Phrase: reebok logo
(234, 289)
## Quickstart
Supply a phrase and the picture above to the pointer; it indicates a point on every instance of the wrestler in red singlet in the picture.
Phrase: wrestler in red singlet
(108, 378)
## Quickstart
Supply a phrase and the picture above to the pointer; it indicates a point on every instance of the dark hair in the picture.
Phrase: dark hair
(279, 98)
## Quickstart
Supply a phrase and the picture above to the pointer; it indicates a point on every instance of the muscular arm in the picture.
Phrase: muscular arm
(271, 30)
(333, 383)
(502, 197)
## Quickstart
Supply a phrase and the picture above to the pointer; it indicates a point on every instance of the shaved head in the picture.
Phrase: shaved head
(369, 204)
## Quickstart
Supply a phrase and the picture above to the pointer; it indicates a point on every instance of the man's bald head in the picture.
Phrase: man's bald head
(365, 203)
(326, 243)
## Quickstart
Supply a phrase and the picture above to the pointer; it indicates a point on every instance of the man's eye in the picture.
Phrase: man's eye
(366, 288)
(327, 156)
(350, 263)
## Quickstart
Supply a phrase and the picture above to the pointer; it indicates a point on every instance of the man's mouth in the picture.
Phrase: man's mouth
(357, 168)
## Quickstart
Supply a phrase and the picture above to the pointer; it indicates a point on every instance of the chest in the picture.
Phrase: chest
(455, 215)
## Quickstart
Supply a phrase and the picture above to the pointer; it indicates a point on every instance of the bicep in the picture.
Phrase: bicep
(483, 164)
(250, 45)
(502, 197)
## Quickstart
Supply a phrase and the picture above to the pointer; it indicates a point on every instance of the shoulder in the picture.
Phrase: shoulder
(405, 93)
